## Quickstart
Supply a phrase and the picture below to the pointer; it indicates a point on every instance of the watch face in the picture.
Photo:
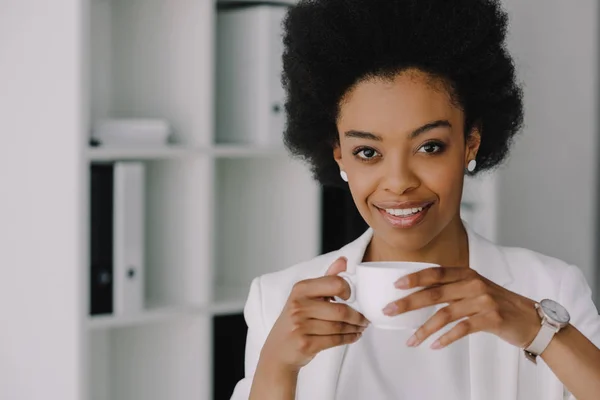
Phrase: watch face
(555, 311)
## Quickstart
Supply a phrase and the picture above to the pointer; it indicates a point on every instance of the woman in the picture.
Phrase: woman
(396, 100)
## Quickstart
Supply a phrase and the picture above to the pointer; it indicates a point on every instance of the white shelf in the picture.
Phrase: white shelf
(282, 2)
(146, 317)
(100, 154)
(243, 151)
(229, 300)
(141, 153)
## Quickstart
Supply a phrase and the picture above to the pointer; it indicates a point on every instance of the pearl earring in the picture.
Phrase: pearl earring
(344, 176)
(471, 166)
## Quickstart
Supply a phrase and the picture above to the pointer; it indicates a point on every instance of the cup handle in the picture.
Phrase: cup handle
(351, 280)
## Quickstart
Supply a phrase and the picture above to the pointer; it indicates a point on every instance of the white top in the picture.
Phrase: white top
(497, 370)
(380, 366)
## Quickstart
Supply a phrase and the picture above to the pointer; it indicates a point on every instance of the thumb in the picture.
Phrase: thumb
(338, 266)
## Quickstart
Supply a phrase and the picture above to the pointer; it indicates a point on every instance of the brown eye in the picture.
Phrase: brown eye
(366, 153)
(432, 147)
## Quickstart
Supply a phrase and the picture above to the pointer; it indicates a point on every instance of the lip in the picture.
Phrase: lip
(404, 222)
(402, 204)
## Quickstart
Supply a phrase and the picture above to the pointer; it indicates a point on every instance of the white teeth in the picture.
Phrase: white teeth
(403, 212)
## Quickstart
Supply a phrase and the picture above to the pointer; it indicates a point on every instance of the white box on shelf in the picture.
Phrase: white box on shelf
(127, 132)
(249, 94)
(128, 246)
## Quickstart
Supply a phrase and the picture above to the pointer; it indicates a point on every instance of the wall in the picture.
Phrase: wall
(41, 240)
(548, 190)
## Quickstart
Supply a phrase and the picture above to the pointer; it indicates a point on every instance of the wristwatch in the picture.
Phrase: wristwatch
(554, 317)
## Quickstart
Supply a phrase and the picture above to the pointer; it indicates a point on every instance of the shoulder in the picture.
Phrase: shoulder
(539, 276)
(525, 271)
(308, 269)
(269, 292)
(551, 275)
(531, 266)
(525, 261)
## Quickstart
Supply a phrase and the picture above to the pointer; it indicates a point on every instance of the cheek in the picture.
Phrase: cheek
(362, 185)
(445, 179)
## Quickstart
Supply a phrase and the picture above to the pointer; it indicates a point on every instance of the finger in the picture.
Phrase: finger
(318, 343)
(434, 276)
(443, 317)
(325, 286)
(336, 312)
(462, 329)
(433, 295)
(321, 327)
(338, 266)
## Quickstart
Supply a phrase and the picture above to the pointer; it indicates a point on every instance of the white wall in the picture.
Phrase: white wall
(41, 240)
(548, 189)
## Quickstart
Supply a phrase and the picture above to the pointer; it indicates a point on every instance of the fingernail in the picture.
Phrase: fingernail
(390, 309)
(412, 341)
(401, 283)
(436, 345)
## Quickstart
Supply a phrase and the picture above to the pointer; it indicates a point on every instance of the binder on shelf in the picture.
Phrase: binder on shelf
(249, 94)
(117, 238)
(101, 243)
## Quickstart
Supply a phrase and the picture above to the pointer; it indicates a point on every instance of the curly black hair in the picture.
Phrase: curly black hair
(330, 45)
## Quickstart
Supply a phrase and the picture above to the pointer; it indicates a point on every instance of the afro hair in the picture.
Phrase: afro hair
(330, 45)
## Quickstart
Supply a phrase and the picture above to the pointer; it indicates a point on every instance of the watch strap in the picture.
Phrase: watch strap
(541, 341)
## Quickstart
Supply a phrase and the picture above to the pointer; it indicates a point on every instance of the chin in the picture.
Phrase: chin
(407, 240)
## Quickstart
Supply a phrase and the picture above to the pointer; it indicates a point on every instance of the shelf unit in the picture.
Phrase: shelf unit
(218, 214)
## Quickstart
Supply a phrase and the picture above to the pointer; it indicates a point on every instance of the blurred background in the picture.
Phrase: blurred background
(143, 184)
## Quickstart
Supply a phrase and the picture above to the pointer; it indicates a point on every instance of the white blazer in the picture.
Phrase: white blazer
(498, 370)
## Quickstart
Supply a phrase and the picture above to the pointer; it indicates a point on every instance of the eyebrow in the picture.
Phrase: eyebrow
(425, 128)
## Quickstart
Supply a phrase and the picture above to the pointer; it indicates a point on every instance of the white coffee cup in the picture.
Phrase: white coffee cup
(372, 288)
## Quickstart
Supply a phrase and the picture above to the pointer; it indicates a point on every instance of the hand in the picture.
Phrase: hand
(485, 306)
(310, 322)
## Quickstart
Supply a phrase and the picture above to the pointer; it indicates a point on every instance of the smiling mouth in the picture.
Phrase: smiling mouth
(405, 216)
(403, 212)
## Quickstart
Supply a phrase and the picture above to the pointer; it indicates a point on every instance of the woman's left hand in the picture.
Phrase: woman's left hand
(485, 306)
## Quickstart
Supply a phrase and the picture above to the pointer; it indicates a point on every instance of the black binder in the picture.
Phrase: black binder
(101, 238)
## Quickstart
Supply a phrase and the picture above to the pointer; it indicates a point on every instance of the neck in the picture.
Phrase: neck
(449, 248)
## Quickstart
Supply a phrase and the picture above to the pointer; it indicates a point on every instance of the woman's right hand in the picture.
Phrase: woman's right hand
(311, 323)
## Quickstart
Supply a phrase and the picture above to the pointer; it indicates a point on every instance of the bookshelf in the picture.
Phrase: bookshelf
(218, 214)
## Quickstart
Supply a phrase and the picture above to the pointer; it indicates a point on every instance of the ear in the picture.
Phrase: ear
(337, 156)
(472, 144)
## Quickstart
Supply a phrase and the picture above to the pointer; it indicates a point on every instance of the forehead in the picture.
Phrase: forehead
(399, 104)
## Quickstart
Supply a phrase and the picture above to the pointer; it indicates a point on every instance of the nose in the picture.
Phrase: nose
(399, 177)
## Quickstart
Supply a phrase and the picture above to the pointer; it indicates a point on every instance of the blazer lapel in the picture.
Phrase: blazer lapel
(494, 363)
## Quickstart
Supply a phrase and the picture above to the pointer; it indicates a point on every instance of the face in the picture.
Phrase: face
(403, 147)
